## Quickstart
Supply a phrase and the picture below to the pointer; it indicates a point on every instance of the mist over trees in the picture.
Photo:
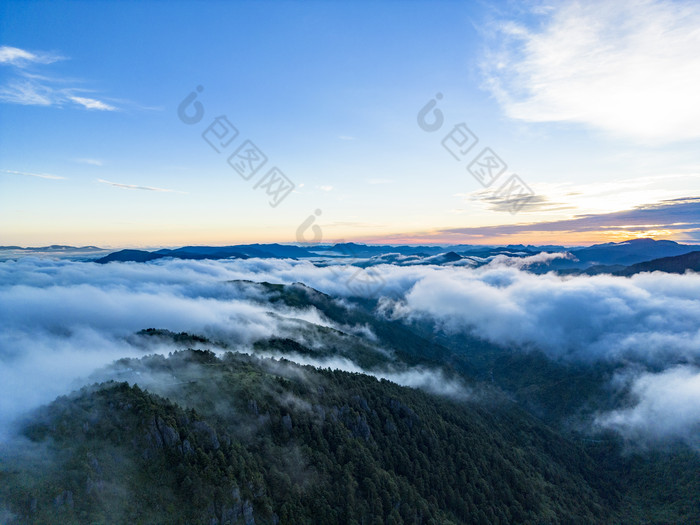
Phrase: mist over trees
(197, 391)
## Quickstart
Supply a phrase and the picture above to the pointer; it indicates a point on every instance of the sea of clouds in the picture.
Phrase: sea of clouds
(63, 319)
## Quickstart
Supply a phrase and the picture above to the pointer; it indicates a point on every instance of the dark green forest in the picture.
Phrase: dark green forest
(238, 439)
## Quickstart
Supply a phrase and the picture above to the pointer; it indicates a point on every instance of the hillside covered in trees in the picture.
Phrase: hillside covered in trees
(238, 439)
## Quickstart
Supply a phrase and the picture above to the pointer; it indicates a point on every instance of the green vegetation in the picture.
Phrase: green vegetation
(234, 439)
(240, 438)
(181, 338)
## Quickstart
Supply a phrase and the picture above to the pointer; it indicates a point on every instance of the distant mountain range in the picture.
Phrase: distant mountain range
(631, 252)
(78, 253)
(243, 251)
(676, 264)
(623, 258)
(54, 248)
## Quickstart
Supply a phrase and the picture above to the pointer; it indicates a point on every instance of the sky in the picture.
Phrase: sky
(144, 124)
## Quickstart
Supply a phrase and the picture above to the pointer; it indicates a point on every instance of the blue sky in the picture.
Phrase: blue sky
(592, 106)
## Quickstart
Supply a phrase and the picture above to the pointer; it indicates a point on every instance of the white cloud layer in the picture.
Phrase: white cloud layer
(649, 317)
(627, 67)
(63, 319)
(668, 406)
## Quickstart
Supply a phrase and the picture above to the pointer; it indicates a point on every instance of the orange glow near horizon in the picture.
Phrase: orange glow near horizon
(171, 238)
(565, 238)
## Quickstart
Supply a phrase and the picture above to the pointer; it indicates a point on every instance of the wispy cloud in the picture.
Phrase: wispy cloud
(39, 175)
(534, 203)
(27, 93)
(20, 57)
(91, 103)
(31, 89)
(677, 219)
(675, 214)
(325, 187)
(91, 162)
(136, 187)
(630, 68)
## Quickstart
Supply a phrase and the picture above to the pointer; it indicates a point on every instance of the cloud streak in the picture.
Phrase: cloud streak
(38, 175)
(136, 187)
(676, 215)
(19, 57)
(91, 103)
(91, 162)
